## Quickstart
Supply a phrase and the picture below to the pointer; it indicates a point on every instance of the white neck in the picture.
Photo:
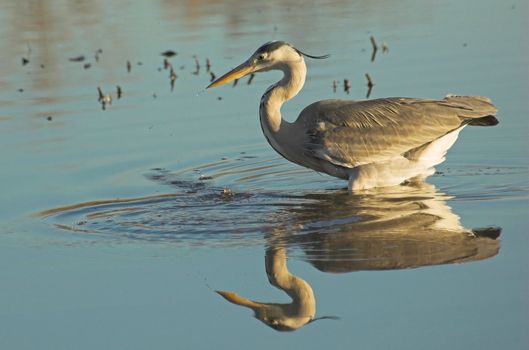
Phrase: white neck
(270, 108)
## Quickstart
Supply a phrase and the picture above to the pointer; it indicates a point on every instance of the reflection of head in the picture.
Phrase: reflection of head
(281, 317)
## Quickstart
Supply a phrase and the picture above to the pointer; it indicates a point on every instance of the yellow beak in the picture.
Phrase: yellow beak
(237, 299)
(236, 73)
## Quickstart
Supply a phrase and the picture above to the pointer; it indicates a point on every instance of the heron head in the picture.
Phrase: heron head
(272, 55)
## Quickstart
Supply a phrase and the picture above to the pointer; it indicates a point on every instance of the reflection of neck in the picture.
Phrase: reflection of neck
(303, 301)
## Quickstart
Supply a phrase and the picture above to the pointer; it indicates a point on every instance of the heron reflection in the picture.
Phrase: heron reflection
(395, 228)
(282, 317)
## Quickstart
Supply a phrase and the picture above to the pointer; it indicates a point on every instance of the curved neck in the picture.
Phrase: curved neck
(269, 110)
(303, 301)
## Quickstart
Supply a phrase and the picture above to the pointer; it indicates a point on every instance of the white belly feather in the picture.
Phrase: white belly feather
(397, 170)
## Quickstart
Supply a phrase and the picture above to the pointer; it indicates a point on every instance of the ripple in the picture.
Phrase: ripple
(243, 199)
(485, 182)
(198, 211)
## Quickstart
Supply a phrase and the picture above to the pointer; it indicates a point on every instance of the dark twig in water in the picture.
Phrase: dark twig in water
(385, 47)
(208, 65)
(346, 86)
(25, 60)
(235, 82)
(197, 65)
(370, 85)
(98, 52)
(166, 63)
(101, 95)
(129, 66)
(250, 78)
(172, 77)
(334, 86)
(104, 99)
(76, 59)
(369, 80)
(375, 48)
(87, 65)
(169, 53)
(212, 76)
(119, 91)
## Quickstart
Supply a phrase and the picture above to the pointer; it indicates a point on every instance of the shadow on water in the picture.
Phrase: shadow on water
(406, 226)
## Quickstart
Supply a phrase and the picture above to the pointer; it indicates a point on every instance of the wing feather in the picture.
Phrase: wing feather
(351, 133)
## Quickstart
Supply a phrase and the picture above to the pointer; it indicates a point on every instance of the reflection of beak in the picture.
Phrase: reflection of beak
(237, 299)
(236, 73)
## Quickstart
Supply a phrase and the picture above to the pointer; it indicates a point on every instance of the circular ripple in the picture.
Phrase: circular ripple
(246, 200)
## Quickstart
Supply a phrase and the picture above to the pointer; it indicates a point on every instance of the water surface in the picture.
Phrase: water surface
(117, 226)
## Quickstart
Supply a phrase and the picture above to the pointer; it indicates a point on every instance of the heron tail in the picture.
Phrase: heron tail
(492, 232)
(488, 120)
(473, 110)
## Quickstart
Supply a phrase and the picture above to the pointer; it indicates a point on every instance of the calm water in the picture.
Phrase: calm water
(117, 226)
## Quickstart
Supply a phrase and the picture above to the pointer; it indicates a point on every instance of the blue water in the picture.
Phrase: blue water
(117, 226)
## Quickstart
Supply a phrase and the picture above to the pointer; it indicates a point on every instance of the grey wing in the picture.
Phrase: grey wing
(352, 133)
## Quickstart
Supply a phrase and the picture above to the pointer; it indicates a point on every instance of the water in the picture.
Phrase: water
(118, 226)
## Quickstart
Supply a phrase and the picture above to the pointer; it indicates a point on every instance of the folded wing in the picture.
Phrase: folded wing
(351, 133)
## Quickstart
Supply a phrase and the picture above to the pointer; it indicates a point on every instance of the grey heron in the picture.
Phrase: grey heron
(370, 143)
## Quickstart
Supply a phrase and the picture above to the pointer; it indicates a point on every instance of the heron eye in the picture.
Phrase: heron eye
(261, 57)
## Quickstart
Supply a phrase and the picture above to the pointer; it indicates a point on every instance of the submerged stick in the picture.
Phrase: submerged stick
(375, 47)
(346, 86)
(251, 78)
(369, 80)
(172, 77)
(370, 85)
(100, 94)
(197, 65)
